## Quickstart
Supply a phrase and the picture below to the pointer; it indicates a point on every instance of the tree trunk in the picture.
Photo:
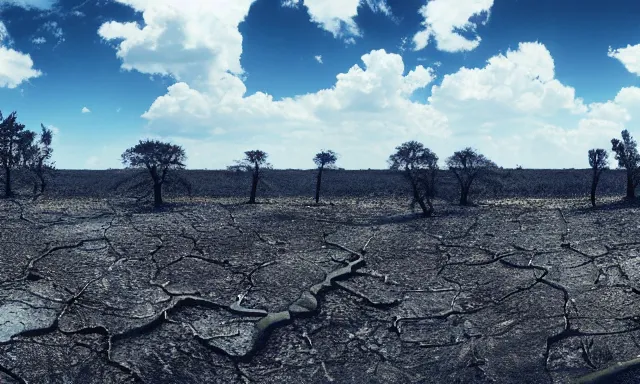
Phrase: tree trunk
(157, 194)
(426, 211)
(7, 182)
(254, 188)
(464, 194)
(318, 183)
(594, 184)
(631, 190)
(43, 182)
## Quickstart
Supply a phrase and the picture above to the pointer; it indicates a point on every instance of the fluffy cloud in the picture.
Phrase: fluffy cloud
(39, 40)
(318, 58)
(521, 82)
(337, 16)
(366, 109)
(15, 67)
(629, 57)
(186, 39)
(516, 111)
(206, 36)
(85, 110)
(443, 19)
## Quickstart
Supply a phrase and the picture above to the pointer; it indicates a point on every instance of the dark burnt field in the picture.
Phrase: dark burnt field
(98, 288)
(339, 184)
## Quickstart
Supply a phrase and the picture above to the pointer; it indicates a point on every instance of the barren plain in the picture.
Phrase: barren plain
(355, 290)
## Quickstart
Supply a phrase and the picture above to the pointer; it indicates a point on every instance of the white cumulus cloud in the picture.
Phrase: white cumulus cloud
(187, 39)
(628, 56)
(443, 21)
(85, 110)
(318, 58)
(15, 67)
(337, 16)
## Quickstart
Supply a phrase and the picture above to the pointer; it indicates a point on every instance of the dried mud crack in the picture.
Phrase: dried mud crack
(97, 291)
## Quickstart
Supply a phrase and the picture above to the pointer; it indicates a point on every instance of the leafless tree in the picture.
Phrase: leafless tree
(323, 159)
(256, 162)
(420, 166)
(626, 152)
(467, 165)
(599, 161)
(158, 158)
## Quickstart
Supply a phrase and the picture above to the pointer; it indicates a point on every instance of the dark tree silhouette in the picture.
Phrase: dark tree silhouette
(626, 152)
(323, 159)
(36, 157)
(254, 161)
(158, 158)
(14, 139)
(420, 166)
(467, 165)
(599, 161)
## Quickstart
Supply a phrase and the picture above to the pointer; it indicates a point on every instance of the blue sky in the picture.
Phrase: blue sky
(530, 82)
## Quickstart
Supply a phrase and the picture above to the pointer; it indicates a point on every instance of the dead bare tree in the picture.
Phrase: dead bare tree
(323, 159)
(158, 158)
(420, 166)
(467, 165)
(626, 152)
(256, 162)
(599, 161)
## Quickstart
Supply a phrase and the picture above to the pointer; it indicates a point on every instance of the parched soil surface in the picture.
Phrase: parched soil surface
(356, 291)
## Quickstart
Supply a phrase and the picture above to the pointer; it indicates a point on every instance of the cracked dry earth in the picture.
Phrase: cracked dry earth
(215, 291)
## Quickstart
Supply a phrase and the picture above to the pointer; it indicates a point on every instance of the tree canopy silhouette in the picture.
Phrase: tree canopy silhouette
(467, 165)
(420, 166)
(158, 158)
(323, 159)
(36, 158)
(599, 161)
(256, 162)
(14, 144)
(626, 153)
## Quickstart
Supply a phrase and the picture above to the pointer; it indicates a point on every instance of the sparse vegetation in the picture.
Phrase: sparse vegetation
(467, 165)
(626, 153)
(420, 167)
(158, 158)
(18, 149)
(598, 161)
(37, 159)
(323, 159)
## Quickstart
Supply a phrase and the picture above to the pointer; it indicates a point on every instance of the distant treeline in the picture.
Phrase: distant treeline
(500, 183)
